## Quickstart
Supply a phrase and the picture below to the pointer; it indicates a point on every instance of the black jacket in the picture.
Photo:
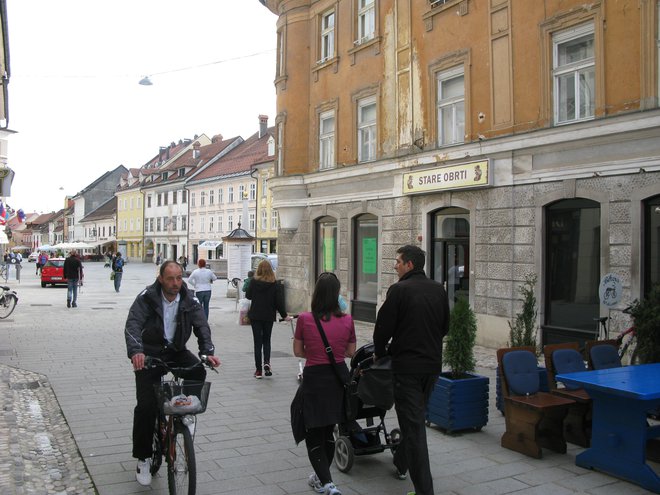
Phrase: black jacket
(415, 317)
(72, 268)
(145, 331)
(267, 297)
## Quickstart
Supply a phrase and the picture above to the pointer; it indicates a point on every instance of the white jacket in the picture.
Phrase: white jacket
(201, 279)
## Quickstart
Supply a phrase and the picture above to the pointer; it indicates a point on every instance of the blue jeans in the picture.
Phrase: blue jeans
(204, 296)
(72, 290)
(118, 280)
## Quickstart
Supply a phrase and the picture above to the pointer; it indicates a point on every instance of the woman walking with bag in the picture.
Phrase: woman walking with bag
(201, 279)
(267, 297)
(324, 375)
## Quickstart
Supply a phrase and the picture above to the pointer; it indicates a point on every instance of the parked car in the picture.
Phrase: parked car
(259, 257)
(33, 257)
(53, 272)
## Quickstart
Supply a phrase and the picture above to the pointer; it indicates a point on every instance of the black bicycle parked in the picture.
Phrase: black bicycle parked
(180, 401)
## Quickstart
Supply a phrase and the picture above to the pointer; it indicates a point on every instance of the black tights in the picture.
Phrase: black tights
(321, 449)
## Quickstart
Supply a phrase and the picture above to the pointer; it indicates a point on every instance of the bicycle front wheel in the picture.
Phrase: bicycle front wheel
(181, 468)
(7, 305)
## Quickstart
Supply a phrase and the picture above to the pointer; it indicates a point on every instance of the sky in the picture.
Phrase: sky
(74, 98)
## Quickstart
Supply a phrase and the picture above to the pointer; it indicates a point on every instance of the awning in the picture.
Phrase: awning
(210, 244)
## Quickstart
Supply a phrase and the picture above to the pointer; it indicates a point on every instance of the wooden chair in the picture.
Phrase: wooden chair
(603, 357)
(533, 418)
(566, 358)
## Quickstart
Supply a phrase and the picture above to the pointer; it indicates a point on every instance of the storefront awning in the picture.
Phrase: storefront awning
(210, 244)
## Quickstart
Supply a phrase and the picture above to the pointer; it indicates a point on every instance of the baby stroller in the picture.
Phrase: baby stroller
(353, 438)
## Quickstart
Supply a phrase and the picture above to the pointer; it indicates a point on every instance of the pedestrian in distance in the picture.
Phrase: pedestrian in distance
(323, 394)
(159, 258)
(160, 322)
(267, 297)
(413, 319)
(18, 266)
(41, 261)
(73, 273)
(246, 282)
(118, 270)
(201, 279)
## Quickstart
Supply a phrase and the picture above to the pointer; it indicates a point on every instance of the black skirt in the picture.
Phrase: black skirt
(323, 403)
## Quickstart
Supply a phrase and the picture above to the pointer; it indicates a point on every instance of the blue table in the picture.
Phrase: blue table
(621, 399)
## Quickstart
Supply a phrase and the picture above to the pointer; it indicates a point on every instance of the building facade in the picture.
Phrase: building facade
(504, 137)
(130, 215)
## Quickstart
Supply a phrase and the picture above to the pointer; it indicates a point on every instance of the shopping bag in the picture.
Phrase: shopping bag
(112, 275)
(243, 309)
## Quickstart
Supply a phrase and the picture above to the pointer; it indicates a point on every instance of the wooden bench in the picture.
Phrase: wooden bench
(577, 424)
(533, 418)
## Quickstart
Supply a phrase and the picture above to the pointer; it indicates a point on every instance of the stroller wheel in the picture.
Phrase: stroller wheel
(395, 439)
(344, 454)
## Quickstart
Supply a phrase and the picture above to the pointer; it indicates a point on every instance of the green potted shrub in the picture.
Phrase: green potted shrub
(646, 318)
(459, 400)
(523, 332)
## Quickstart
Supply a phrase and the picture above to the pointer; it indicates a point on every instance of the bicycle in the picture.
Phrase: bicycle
(627, 342)
(8, 301)
(179, 402)
(4, 271)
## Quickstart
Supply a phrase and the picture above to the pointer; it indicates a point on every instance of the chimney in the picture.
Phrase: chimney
(217, 138)
(263, 125)
(196, 151)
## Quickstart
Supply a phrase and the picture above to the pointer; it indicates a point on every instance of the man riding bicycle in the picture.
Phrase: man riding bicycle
(160, 322)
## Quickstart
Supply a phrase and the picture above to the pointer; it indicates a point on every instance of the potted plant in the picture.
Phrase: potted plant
(523, 331)
(459, 400)
(646, 317)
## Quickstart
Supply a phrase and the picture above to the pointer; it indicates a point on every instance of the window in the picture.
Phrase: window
(220, 224)
(132, 224)
(264, 187)
(367, 129)
(192, 224)
(230, 194)
(202, 198)
(327, 36)
(149, 201)
(574, 74)
(210, 224)
(451, 106)
(230, 223)
(253, 222)
(220, 195)
(366, 256)
(192, 199)
(211, 197)
(165, 195)
(253, 191)
(241, 192)
(138, 224)
(139, 203)
(202, 222)
(174, 197)
(160, 199)
(327, 140)
(183, 196)
(273, 220)
(264, 220)
(182, 172)
(158, 224)
(366, 19)
(184, 222)
(280, 148)
(280, 54)
(326, 245)
(572, 269)
(131, 203)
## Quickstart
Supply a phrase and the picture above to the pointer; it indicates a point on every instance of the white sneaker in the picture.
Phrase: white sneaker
(331, 489)
(315, 483)
(143, 473)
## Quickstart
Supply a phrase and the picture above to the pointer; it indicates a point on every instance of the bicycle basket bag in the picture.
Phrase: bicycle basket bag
(182, 404)
(375, 386)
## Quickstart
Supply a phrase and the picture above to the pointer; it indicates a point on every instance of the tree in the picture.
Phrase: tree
(646, 316)
(522, 332)
(462, 335)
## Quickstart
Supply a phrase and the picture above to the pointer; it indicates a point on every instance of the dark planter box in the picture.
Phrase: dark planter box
(499, 402)
(459, 404)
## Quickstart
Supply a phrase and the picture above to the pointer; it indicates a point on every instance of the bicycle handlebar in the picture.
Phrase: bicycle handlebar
(154, 362)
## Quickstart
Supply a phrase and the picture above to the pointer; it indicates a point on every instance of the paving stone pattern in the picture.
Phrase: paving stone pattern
(69, 394)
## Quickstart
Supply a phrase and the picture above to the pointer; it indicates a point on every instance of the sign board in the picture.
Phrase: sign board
(238, 260)
(610, 289)
(467, 175)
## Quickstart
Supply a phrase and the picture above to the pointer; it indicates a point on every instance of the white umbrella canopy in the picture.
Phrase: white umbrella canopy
(20, 248)
(46, 247)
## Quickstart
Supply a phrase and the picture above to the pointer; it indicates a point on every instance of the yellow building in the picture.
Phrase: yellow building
(504, 137)
(130, 216)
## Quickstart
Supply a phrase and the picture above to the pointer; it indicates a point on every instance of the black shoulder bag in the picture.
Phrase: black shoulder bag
(350, 393)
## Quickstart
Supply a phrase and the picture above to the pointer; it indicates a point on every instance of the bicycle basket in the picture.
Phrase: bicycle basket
(190, 397)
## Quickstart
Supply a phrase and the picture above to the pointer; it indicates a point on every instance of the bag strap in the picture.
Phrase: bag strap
(328, 350)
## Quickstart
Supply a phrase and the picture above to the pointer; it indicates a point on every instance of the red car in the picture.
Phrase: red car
(53, 272)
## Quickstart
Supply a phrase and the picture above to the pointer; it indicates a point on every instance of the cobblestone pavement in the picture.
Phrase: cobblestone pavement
(68, 395)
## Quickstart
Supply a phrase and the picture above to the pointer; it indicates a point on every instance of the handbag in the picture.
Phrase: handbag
(376, 386)
(112, 275)
(297, 417)
(350, 397)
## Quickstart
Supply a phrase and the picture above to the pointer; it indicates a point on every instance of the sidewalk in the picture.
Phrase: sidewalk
(79, 442)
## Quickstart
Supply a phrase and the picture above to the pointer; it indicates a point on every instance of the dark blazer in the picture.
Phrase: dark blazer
(415, 317)
(72, 268)
(266, 297)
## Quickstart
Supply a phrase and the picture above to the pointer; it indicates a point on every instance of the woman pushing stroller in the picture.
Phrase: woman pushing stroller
(322, 389)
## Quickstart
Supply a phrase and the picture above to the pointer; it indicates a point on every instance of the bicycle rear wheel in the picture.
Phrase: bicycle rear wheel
(7, 305)
(181, 469)
(157, 447)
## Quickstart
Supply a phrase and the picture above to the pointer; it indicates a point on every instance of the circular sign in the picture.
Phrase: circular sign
(610, 290)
